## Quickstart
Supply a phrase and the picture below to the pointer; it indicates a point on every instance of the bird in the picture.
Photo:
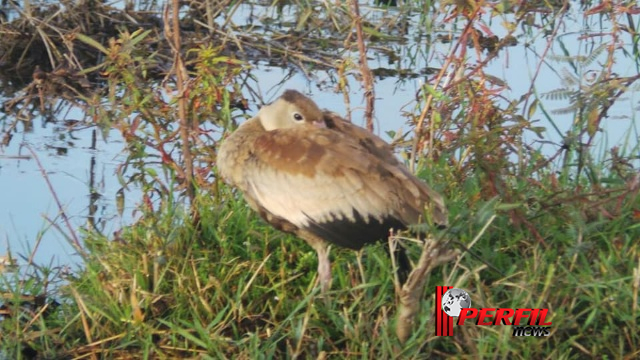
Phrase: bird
(311, 173)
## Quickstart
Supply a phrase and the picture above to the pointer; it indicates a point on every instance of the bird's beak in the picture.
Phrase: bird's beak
(320, 124)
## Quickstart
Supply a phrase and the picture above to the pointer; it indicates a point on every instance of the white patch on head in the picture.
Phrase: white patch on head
(280, 115)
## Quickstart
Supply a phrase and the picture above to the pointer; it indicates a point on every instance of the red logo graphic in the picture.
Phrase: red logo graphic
(456, 302)
(444, 322)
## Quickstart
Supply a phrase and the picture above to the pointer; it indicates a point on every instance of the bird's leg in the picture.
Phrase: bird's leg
(324, 267)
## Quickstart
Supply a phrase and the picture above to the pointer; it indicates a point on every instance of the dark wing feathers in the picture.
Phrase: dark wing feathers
(355, 234)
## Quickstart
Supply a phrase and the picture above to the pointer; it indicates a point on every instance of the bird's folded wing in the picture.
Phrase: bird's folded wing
(372, 143)
(323, 177)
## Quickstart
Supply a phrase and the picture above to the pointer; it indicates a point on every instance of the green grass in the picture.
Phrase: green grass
(234, 287)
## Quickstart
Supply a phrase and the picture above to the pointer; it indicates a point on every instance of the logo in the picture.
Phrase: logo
(451, 302)
(454, 300)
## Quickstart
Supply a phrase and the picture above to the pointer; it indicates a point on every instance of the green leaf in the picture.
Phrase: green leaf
(507, 207)
(91, 42)
(487, 210)
(120, 201)
(138, 36)
(532, 109)
(151, 172)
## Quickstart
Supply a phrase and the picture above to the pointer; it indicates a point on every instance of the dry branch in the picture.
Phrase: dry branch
(173, 34)
(434, 254)
(367, 78)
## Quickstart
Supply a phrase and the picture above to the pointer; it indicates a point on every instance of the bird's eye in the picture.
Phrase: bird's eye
(298, 117)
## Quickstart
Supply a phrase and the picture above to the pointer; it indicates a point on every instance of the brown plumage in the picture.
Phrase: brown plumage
(311, 173)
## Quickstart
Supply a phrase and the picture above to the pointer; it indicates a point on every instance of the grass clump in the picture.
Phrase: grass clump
(231, 286)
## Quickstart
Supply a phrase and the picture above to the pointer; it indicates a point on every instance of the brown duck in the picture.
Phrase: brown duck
(313, 174)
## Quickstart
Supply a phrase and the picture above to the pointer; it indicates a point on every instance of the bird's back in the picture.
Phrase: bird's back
(341, 184)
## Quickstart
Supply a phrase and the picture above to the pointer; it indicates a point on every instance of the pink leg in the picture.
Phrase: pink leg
(324, 268)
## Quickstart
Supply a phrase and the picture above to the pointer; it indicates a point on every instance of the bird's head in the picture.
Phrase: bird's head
(290, 110)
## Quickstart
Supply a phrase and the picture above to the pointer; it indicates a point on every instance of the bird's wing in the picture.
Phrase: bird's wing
(383, 151)
(327, 183)
(372, 143)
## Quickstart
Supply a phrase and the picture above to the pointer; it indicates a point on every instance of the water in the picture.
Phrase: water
(81, 164)
(28, 207)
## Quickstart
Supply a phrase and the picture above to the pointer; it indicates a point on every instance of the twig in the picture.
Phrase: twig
(434, 254)
(173, 34)
(416, 148)
(367, 78)
(63, 214)
(550, 41)
(343, 87)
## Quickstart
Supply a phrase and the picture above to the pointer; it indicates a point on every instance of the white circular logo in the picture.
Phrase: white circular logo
(454, 300)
